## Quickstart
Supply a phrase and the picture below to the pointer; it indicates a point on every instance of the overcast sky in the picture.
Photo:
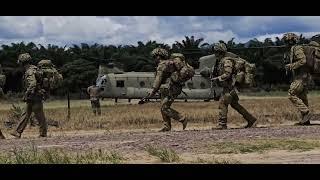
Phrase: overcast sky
(68, 30)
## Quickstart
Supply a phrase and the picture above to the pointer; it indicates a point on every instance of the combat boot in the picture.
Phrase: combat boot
(16, 134)
(42, 136)
(165, 129)
(220, 127)
(302, 124)
(184, 122)
(305, 120)
(2, 136)
(250, 123)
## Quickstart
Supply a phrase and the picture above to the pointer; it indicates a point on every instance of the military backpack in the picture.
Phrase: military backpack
(244, 72)
(312, 54)
(50, 77)
(184, 70)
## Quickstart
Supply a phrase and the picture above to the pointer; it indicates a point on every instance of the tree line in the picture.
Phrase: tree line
(79, 63)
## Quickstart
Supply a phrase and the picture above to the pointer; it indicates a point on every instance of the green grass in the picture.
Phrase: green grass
(165, 155)
(33, 155)
(263, 145)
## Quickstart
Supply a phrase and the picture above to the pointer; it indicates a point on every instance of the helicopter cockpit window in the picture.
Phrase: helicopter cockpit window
(120, 83)
(142, 84)
(190, 85)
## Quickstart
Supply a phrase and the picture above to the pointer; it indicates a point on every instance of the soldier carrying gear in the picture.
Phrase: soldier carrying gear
(33, 97)
(94, 92)
(225, 79)
(170, 87)
(299, 87)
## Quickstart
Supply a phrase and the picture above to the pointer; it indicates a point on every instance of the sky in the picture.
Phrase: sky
(128, 30)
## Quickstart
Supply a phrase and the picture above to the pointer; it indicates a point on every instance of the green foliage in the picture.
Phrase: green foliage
(34, 155)
(165, 155)
(79, 73)
(79, 63)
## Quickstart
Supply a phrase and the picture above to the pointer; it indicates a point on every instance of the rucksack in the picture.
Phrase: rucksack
(184, 70)
(244, 72)
(51, 78)
(312, 54)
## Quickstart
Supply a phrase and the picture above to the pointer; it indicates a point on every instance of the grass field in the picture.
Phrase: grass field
(124, 115)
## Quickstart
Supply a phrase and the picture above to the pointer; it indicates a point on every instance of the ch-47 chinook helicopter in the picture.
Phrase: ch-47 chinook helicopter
(135, 85)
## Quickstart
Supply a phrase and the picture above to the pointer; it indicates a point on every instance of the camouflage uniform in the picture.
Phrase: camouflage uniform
(33, 97)
(299, 87)
(94, 91)
(229, 95)
(169, 89)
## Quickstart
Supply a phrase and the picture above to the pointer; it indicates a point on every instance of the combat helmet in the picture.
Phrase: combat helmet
(177, 55)
(45, 63)
(23, 58)
(290, 37)
(160, 52)
(220, 47)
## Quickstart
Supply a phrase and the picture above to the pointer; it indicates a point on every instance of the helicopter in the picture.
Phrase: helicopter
(117, 84)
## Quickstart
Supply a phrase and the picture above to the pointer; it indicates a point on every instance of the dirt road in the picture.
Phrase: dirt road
(189, 144)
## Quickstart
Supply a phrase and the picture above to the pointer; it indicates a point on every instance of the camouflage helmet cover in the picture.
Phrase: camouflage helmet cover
(25, 57)
(290, 36)
(220, 47)
(160, 52)
(45, 63)
(314, 43)
(177, 55)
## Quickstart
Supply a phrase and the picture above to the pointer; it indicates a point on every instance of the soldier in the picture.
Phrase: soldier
(1, 135)
(299, 87)
(169, 89)
(94, 92)
(226, 80)
(33, 97)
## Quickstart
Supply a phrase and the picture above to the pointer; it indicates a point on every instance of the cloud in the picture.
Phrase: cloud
(68, 30)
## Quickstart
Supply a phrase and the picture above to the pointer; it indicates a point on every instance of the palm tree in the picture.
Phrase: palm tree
(190, 47)
(316, 38)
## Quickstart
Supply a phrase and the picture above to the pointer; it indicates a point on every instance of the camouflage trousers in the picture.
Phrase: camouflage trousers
(167, 98)
(231, 97)
(95, 105)
(298, 96)
(37, 109)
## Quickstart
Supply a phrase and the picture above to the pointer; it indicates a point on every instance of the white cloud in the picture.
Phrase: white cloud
(20, 26)
(117, 30)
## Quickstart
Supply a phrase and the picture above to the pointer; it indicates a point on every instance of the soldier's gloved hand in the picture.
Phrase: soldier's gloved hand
(152, 93)
(215, 79)
(288, 67)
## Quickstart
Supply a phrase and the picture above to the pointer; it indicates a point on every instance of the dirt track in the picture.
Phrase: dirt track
(189, 142)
